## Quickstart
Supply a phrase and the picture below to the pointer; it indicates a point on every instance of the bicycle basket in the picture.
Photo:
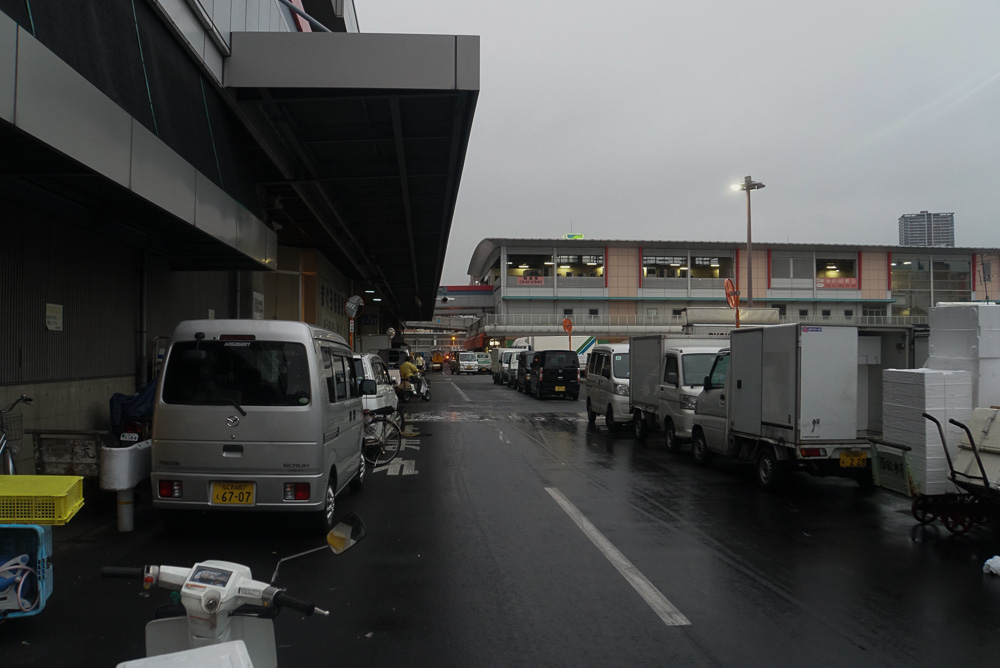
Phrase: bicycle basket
(13, 426)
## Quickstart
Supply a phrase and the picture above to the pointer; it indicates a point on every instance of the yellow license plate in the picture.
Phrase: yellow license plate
(235, 493)
(853, 460)
(560, 388)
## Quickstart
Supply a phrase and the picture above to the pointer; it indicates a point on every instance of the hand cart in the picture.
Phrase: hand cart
(977, 502)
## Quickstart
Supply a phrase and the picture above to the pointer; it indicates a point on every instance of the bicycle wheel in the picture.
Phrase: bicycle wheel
(6, 458)
(382, 441)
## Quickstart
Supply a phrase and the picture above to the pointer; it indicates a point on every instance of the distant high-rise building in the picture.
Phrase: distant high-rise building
(927, 229)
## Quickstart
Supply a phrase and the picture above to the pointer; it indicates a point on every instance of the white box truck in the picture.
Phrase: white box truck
(665, 378)
(785, 397)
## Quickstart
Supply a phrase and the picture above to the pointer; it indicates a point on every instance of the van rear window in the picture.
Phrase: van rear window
(561, 360)
(251, 373)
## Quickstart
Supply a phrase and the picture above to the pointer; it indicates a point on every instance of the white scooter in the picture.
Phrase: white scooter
(226, 614)
(415, 386)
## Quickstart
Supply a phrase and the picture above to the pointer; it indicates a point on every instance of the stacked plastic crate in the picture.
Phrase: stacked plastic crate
(966, 337)
(906, 395)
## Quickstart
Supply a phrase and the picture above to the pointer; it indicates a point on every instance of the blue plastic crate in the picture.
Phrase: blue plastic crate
(34, 542)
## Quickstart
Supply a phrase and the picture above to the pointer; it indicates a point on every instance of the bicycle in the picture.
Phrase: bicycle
(11, 429)
(382, 437)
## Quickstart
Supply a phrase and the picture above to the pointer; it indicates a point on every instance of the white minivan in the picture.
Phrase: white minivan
(371, 367)
(259, 415)
(608, 385)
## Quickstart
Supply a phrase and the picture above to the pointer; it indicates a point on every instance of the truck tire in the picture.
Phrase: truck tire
(769, 472)
(591, 415)
(670, 436)
(699, 448)
(640, 427)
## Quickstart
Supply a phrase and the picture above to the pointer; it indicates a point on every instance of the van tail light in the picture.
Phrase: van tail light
(170, 489)
(540, 375)
(296, 491)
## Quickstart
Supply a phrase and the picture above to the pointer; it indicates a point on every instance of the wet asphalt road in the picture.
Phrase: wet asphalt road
(511, 533)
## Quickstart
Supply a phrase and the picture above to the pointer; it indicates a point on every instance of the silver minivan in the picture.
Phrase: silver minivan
(256, 415)
(608, 385)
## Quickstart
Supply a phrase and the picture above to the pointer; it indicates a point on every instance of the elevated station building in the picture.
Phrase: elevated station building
(617, 288)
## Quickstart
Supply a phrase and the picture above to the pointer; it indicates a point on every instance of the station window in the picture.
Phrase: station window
(529, 265)
(594, 311)
(849, 312)
(567, 311)
(711, 267)
(578, 266)
(664, 266)
(803, 313)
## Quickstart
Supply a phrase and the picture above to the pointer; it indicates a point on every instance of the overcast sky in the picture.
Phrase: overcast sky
(630, 119)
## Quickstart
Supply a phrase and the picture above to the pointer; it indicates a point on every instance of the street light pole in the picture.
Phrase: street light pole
(748, 185)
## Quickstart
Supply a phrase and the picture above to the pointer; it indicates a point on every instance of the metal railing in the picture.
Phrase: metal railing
(625, 324)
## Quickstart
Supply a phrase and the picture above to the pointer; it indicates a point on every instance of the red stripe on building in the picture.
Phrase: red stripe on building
(640, 267)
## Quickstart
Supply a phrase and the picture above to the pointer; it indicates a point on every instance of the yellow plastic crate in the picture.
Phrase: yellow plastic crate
(39, 499)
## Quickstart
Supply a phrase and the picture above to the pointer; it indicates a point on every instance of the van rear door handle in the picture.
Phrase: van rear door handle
(232, 450)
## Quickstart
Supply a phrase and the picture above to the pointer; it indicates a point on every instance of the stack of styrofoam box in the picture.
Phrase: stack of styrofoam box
(966, 337)
(906, 395)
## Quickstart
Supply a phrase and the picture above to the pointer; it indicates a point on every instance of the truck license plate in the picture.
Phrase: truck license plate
(853, 460)
(234, 493)
(560, 388)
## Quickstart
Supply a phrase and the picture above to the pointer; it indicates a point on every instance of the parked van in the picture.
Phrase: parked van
(371, 367)
(523, 368)
(257, 415)
(554, 373)
(608, 385)
(510, 369)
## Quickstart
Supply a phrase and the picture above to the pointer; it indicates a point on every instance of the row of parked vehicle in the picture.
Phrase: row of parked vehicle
(539, 373)
(782, 397)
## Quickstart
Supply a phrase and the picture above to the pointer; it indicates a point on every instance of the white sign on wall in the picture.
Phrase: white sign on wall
(258, 306)
(54, 317)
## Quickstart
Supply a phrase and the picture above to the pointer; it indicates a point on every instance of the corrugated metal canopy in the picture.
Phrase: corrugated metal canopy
(369, 133)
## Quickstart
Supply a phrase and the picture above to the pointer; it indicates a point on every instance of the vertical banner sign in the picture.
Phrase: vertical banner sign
(54, 317)
(258, 306)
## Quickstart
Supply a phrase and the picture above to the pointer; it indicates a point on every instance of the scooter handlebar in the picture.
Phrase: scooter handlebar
(284, 600)
(123, 572)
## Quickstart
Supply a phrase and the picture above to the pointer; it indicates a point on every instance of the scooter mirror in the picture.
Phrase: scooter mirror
(348, 533)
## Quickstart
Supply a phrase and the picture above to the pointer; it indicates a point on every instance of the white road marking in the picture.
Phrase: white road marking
(463, 394)
(397, 466)
(666, 610)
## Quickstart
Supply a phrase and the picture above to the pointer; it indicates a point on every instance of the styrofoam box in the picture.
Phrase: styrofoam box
(985, 377)
(965, 316)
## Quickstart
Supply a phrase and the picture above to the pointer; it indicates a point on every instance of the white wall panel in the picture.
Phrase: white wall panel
(8, 67)
(215, 212)
(161, 176)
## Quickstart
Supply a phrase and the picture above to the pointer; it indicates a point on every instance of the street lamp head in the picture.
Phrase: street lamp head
(748, 184)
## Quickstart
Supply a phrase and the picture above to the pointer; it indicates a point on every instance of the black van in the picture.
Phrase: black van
(554, 373)
(523, 366)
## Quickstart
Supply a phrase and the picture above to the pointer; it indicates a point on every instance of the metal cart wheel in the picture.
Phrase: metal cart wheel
(958, 521)
(923, 509)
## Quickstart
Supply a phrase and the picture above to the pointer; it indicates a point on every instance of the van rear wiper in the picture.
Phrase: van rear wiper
(230, 402)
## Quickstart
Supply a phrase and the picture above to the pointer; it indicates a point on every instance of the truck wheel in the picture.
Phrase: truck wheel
(609, 418)
(699, 448)
(640, 427)
(768, 469)
(591, 415)
(670, 436)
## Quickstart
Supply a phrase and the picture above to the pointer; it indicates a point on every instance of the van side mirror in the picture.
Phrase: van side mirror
(672, 378)
(368, 387)
(708, 382)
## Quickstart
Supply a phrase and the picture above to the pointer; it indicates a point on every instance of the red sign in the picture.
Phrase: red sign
(567, 325)
(732, 297)
(837, 283)
(531, 280)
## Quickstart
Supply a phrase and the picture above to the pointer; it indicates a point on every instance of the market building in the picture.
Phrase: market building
(166, 161)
